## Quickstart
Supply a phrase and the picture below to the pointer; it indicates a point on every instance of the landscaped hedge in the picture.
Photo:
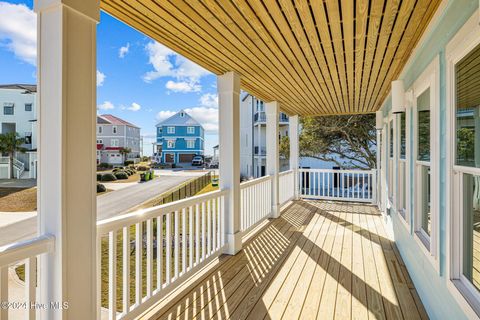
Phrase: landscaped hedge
(99, 177)
(121, 175)
(108, 177)
(129, 162)
(143, 168)
(101, 188)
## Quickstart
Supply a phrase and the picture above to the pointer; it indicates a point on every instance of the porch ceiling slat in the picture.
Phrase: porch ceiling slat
(315, 57)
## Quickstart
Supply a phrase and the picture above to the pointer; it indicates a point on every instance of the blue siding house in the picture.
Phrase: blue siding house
(179, 138)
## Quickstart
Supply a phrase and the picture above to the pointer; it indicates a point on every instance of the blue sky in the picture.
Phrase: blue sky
(138, 79)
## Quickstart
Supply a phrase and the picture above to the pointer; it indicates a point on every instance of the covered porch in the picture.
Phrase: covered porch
(319, 259)
(256, 249)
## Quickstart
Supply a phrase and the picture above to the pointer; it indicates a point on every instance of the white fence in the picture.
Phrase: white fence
(255, 201)
(286, 185)
(23, 252)
(4, 167)
(169, 242)
(344, 185)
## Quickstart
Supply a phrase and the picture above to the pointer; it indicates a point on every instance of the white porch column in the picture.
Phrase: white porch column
(273, 158)
(67, 156)
(229, 165)
(294, 151)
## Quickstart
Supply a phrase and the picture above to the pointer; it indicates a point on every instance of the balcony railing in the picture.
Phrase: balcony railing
(22, 253)
(261, 116)
(255, 201)
(170, 243)
(286, 181)
(144, 255)
(260, 151)
(345, 185)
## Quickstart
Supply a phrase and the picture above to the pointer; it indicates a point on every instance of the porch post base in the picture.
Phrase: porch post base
(275, 211)
(234, 243)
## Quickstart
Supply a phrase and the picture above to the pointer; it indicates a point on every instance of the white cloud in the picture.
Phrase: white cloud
(209, 100)
(183, 86)
(107, 105)
(167, 63)
(100, 78)
(18, 31)
(122, 52)
(134, 107)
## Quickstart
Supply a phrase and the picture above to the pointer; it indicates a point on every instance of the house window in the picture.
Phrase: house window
(190, 130)
(100, 129)
(182, 114)
(465, 195)
(423, 165)
(114, 142)
(28, 107)
(170, 129)
(402, 165)
(99, 141)
(170, 144)
(8, 108)
(426, 161)
(114, 129)
(190, 144)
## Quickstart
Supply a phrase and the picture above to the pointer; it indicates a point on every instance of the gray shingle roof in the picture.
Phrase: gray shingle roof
(26, 87)
(181, 118)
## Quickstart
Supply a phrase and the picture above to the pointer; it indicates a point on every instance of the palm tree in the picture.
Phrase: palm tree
(10, 143)
(124, 152)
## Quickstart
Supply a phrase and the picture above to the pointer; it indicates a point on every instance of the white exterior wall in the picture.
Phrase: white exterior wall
(21, 118)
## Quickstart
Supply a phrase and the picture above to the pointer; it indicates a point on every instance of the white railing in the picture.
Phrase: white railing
(169, 242)
(19, 167)
(255, 201)
(4, 168)
(286, 185)
(18, 253)
(344, 185)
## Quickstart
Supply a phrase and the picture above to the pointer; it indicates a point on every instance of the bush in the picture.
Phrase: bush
(121, 175)
(129, 162)
(143, 168)
(152, 174)
(108, 177)
(101, 188)
(104, 165)
(99, 177)
(174, 165)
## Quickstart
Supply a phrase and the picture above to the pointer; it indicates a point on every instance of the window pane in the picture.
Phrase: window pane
(403, 142)
(467, 109)
(471, 228)
(423, 126)
(425, 199)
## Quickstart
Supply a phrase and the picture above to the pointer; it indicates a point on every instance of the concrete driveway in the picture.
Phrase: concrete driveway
(108, 205)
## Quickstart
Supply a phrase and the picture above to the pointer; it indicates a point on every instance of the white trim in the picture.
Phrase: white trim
(169, 131)
(466, 39)
(179, 137)
(429, 79)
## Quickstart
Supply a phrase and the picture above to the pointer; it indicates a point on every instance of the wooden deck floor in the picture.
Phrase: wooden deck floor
(319, 260)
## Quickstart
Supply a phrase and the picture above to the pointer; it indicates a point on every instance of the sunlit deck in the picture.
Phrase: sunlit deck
(320, 259)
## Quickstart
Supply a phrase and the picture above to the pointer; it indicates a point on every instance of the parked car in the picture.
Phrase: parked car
(197, 161)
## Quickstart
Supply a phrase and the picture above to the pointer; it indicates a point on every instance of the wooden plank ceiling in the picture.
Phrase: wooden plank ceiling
(314, 56)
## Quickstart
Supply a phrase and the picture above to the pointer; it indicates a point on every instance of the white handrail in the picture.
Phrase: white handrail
(22, 250)
(249, 183)
(344, 185)
(286, 184)
(255, 201)
(117, 222)
(178, 238)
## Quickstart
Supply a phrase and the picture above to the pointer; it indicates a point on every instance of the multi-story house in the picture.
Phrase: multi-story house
(18, 114)
(179, 139)
(253, 137)
(114, 134)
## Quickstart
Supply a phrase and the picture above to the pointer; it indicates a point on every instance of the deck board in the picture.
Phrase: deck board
(319, 260)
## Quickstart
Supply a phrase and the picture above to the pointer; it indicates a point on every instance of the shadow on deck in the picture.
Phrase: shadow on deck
(318, 260)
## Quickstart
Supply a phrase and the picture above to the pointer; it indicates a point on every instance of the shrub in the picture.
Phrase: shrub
(108, 177)
(143, 168)
(152, 174)
(121, 175)
(129, 162)
(99, 177)
(101, 188)
(174, 165)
